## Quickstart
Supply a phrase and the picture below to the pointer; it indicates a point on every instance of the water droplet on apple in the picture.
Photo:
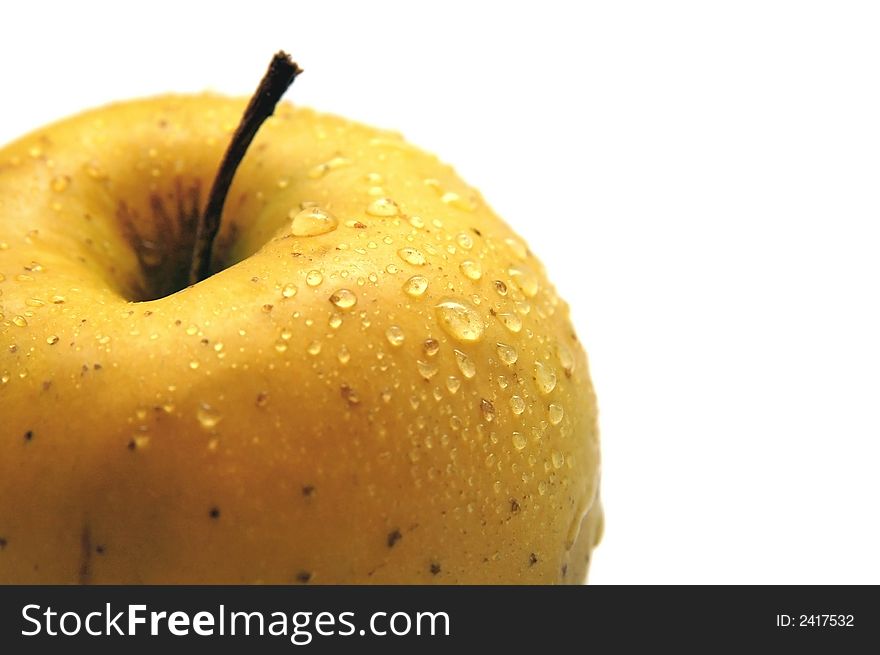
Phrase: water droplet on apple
(566, 358)
(471, 269)
(460, 320)
(60, 183)
(511, 321)
(558, 459)
(417, 222)
(465, 364)
(487, 409)
(335, 320)
(545, 376)
(343, 298)
(394, 335)
(519, 440)
(426, 369)
(343, 355)
(350, 395)
(312, 221)
(314, 348)
(525, 280)
(453, 384)
(19, 321)
(194, 365)
(465, 240)
(412, 256)
(384, 207)
(52, 340)
(288, 290)
(208, 416)
(517, 247)
(431, 347)
(506, 353)
(416, 286)
(555, 413)
(314, 278)
(517, 405)
(319, 171)
(281, 346)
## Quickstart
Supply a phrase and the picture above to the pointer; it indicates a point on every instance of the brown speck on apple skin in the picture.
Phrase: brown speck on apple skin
(303, 577)
(3, 543)
(435, 568)
(393, 537)
(214, 513)
(308, 490)
(514, 506)
(533, 559)
(29, 435)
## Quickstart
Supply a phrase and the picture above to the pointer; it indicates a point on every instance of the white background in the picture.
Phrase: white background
(702, 180)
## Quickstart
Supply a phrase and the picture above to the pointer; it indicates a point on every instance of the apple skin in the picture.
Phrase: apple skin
(232, 433)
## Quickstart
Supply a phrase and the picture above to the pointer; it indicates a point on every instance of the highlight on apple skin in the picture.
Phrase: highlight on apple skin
(378, 384)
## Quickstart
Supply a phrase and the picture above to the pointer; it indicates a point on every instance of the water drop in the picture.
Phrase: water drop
(312, 221)
(426, 369)
(500, 287)
(288, 290)
(545, 376)
(566, 358)
(343, 298)
(417, 222)
(517, 247)
(555, 413)
(20, 321)
(191, 330)
(558, 459)
(511, 321)
(314, 348)
(34, 302)
(460, 320)
(524, 279)
(471, 269)
(453, 384)
(415, 286)
(384, 207)
(519, 440)
(281, 346)
(517, 405)
(394, 335)
(319, 171)
(208, 416)
(464, 240)
(431, 347)
(194, 365)
(465, 364)
(412, 256)
(344, 355)
(314, 278)
(52, 340)
(487, 409)
(350, 395)
(58, 300)
(335, 320)
(506, 353)
(262, 399)
(60, 183)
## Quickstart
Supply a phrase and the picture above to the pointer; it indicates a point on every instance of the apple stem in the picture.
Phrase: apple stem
(278, 78)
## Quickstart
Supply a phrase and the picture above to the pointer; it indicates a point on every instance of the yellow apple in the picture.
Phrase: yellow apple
(378, 384)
